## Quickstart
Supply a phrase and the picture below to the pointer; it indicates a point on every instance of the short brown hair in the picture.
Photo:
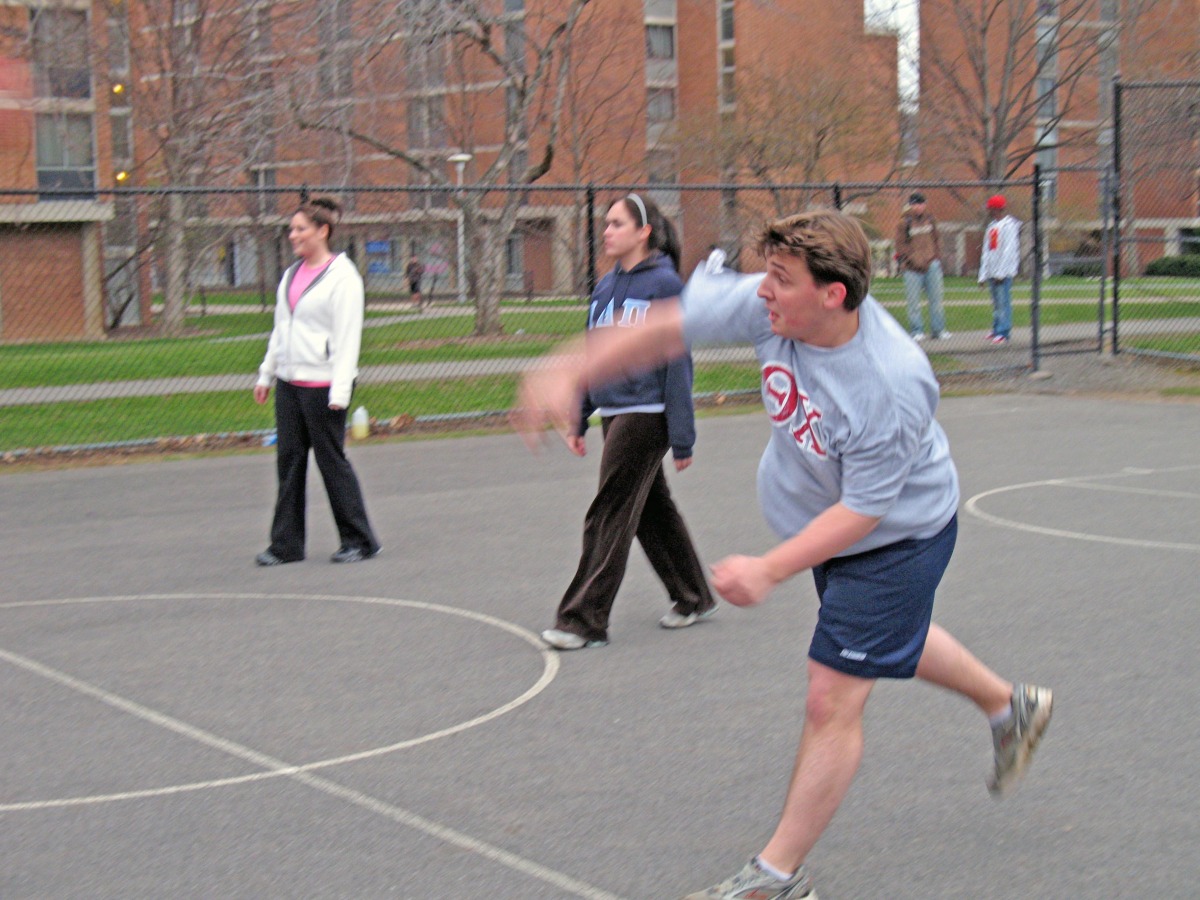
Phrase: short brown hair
(322, 211)
(833, 246)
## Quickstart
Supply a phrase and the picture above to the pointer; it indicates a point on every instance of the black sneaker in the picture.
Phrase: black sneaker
(353, 554)
(267, 558)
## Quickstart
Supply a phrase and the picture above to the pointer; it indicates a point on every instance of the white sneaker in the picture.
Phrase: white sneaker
(941, 335)
(752, 883)
(918, 337)
(566, 640)
(676, 619)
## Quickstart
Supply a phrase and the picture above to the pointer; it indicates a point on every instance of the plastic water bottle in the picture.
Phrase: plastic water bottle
(360, 424)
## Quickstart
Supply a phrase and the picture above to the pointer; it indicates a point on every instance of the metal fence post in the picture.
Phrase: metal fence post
(1035, 301)
(1116, 213)
(837, 195)
(590, 205)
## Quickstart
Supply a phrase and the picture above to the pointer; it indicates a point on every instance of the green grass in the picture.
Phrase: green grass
(234, 343)
(221, 412)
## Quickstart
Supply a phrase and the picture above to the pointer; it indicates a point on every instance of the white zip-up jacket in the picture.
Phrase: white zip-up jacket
(1001, 256)
(320, 340)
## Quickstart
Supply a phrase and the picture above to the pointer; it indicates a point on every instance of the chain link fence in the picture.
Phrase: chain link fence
(140, 316)
(1156, 257)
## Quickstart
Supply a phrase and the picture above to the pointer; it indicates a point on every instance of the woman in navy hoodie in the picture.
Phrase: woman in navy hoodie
(642, 417)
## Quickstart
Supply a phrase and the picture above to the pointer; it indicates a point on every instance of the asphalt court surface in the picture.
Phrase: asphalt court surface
(179, 723)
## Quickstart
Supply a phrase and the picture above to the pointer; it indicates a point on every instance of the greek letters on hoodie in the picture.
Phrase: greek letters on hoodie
(621, 300)
(319, 340)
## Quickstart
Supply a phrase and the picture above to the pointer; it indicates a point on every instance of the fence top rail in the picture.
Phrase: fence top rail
(1161, 84)
(74, 194)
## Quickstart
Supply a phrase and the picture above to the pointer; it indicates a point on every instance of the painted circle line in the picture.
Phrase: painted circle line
(550, 667)
(1083, 482)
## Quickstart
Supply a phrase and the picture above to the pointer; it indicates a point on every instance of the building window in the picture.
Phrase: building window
(65, 158)
(118, 42)
(335, 72)
(425, 64)
(1047, 159)
(726, 74)
(514, 45)
(185, 12)
(514, 256)
(660, 104)
(122, 138)
(426, 123)
(120, 230)
(660, 42)
(661, 167)
(725, 17)
(1047, 49)
(61, 67)
(726, 83)
(1047, 104)
(260, 32)
(343, 20)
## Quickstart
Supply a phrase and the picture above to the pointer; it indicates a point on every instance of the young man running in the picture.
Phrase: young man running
(858, 482)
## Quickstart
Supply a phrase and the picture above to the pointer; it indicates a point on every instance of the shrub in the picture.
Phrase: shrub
(1187, 266)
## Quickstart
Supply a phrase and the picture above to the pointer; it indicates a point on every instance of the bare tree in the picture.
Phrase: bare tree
(603, 132)
(470, 80)
(798, 125)
(191, 63)
(1002, 80)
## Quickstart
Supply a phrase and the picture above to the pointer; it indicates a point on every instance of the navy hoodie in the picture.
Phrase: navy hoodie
(621, 300)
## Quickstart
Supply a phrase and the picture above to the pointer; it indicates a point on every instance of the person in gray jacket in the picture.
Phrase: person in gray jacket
(313, 353)
(642, 415)
(857, 481)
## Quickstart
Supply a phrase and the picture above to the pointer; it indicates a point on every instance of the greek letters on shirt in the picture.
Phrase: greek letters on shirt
(789, 407)
(633, 313)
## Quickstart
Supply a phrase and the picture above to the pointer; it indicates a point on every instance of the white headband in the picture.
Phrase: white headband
(637, 201)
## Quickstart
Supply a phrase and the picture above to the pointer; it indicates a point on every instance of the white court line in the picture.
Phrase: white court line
(303, 773)
(1082, 482)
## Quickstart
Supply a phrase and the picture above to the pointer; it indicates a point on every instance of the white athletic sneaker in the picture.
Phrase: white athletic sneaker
(676, 619)
(1017, 738)
(752, 883)
(566, 640)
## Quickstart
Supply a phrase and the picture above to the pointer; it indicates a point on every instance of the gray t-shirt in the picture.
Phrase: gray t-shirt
(853, 423)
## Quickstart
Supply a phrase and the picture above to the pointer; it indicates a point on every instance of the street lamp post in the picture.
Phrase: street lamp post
(460, 161)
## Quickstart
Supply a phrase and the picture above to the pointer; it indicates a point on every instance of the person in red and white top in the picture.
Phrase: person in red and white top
(313, 356)
(998, 264)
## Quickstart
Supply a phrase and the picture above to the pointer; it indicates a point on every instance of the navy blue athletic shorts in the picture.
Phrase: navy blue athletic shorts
(876, 606)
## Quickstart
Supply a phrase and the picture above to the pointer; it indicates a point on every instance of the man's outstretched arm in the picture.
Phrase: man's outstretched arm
(550, 390)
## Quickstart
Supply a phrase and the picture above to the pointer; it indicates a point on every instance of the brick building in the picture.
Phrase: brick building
(55, 148)
(649, 80)
(1008, 86)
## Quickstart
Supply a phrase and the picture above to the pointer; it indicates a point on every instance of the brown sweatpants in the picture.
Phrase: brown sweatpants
(633, 500)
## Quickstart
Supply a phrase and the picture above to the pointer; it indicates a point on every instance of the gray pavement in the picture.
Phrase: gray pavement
(178, 723)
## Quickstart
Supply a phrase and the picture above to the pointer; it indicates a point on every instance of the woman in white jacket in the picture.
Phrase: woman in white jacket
(313, 354)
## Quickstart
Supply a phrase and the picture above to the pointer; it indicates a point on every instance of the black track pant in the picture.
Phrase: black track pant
(303, 422)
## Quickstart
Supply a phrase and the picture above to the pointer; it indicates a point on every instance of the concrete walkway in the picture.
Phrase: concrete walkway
(1017, 352)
